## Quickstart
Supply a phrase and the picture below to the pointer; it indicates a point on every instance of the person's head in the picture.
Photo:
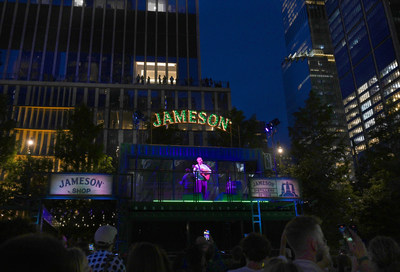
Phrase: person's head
(306, 238)
(256, 247)
(147, 257)
(105, 237)
(33, 252)
(199, 160)
(77, 260)
(237, 253)
(283, 267)
(384, 254)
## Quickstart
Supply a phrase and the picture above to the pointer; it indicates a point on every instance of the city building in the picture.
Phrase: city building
(365, 39)
(310, 64)
(117, 57)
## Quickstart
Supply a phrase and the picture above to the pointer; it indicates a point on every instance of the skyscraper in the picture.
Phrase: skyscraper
(366, 48)
(117, 57)
(309, 64)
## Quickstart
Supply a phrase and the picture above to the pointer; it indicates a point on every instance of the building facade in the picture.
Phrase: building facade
(366, 48)
(310, 64)
(117, 57)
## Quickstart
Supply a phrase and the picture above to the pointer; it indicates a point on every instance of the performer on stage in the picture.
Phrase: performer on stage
(202, 174)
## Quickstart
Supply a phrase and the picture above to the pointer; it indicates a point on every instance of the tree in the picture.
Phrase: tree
(25, 183)
(7, 138)
(321, 163)
(77, 147)
(378, 175)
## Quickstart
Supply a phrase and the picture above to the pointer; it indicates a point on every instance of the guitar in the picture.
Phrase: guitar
(205, 174)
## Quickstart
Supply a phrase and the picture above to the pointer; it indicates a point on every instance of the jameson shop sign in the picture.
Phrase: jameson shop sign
(191, 117)
(80, 184)
(274, 188)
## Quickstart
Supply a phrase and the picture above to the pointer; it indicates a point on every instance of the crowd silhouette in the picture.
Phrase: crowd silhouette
(303, 248)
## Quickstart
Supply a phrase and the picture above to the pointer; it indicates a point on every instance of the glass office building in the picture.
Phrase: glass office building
(366, 48)
(309, 64)
(117, 57)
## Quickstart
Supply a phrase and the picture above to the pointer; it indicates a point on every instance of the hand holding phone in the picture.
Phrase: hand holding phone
(345, 232)
(207, 235)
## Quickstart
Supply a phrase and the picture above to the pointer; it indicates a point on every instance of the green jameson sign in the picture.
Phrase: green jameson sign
(191, 117)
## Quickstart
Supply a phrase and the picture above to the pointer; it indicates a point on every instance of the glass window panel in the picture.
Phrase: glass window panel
(196, 100)
(378, 26)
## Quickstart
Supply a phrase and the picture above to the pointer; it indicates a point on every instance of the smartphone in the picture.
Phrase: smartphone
(207, 234)
(91, 247)
(345, 232)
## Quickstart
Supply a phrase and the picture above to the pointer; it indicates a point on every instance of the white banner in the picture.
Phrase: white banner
(80, 184)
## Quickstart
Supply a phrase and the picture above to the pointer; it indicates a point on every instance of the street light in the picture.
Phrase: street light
(30, 143)
(280, 149)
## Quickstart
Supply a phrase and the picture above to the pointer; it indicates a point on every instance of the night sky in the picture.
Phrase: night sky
(242, 42)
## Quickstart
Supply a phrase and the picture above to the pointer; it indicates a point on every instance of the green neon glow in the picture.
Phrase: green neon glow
(191, 117)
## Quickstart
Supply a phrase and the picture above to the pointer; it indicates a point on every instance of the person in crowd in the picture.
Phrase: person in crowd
(33, 252)
(148, 79)
(282, 266)
(147, 257)
(383, 254)
(103, 258)
(192, 260)
(238, 260)
(212, 257)
(138, 79)
(164, 80)
(305, 237)
(202, 174)
(171, 79)
(77, 260)
(256, 248)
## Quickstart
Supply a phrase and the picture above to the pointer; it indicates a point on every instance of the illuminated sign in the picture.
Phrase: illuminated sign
(274, 188)
(80, 184)
(191, 117)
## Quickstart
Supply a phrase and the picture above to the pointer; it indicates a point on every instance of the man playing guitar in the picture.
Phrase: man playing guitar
(202, 174)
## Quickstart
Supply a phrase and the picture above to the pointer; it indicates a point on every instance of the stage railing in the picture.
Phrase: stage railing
(167, 185)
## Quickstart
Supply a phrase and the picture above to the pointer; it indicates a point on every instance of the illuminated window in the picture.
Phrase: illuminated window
(374, 90)
(391, 78)
(161, 72)
(360, 148)
(392, 88)
(362, 88)
(364, 97)
(152, 5)
(396, 97)
(370, 123)
(350, 107)
(388, 68)
(351, 115)
(359, 139)
(355, 131)
(353, 123)
(349, 98)
(373, 141)
(378, 107)
(367, 114)
(78, 3)
(376, 98)
(366, 105)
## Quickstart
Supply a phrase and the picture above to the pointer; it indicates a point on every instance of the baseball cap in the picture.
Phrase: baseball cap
(105, 235)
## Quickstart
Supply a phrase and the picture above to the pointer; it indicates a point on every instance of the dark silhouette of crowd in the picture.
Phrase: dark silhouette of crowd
(303, 248)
